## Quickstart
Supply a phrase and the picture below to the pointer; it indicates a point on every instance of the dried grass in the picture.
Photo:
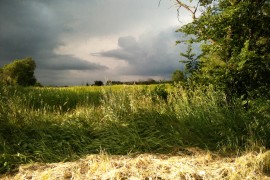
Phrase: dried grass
(199, 165)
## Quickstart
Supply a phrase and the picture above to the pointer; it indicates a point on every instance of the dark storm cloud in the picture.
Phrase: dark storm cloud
(66, 62)
(24, 31)
(31, 28)
(150, 55)
(45, 30)
(105, 17)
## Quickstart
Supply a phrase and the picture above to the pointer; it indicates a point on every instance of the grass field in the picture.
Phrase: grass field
(52, 125)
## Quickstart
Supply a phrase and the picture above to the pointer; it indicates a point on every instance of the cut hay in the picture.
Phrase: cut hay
(197, 165)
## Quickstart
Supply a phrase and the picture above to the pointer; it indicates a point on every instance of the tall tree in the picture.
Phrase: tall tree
(19, 72)
(236, 44)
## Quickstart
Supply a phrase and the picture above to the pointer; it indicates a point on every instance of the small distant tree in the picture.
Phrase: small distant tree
(178, 76)
(109, 83)
(98, 83)
(19, 72)
(150, 81)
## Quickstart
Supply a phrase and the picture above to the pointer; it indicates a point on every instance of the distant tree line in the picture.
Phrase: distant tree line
(141, 82)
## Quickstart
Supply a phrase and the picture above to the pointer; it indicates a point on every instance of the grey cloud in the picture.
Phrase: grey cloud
(68, 62)
(128, 50)
(128, 43)
(37, 28)
(150, 55)
(103, 17)
(32, 28)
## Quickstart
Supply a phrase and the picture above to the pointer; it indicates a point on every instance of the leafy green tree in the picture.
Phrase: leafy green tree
(178, 76)
(191, 60)
(19, 72)
(235, 37)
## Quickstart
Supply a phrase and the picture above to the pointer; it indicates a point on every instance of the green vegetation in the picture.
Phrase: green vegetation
(19, 72)
(178, 76)
(222, 104)
(61, 124)
(235, 37)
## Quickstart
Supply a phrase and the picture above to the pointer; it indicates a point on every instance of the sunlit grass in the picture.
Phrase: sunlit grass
(63, 124)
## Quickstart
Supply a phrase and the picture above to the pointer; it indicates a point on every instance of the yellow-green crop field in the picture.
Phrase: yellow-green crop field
(49, 125)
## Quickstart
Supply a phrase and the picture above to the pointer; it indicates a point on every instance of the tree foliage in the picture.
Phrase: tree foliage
(19, 72)
(98, 83)
(191, 60)
(235, 37)
(178, 76)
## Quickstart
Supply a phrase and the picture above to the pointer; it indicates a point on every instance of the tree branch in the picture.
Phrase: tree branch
(188, 8)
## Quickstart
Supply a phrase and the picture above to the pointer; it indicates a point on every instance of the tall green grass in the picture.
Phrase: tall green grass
(61, 124)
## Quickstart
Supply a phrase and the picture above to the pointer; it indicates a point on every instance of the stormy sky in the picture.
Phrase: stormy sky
(78, 42)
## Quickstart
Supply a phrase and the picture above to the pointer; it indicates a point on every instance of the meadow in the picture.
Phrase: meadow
(64, 124)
